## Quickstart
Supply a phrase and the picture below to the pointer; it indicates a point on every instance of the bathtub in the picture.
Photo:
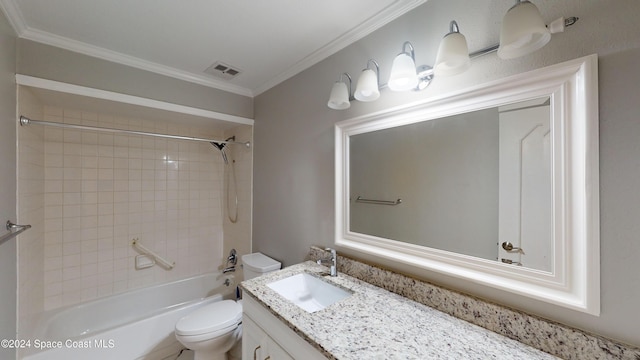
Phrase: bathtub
(134, 325)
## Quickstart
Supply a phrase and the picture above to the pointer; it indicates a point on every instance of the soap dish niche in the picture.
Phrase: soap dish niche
(144, 261)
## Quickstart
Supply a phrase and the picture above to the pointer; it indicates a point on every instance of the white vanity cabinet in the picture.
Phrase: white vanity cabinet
(265, 337)
(257, 345)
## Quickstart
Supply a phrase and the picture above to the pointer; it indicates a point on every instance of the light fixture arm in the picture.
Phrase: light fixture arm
(453, 27)
(425, 75)
(518, 2)
(425, 72)
(350, 90)
(411, 51)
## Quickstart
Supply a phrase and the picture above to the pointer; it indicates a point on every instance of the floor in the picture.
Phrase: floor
(185, 355)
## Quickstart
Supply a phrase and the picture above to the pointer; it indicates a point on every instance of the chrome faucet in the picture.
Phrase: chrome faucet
(330, 260)
(233, 259)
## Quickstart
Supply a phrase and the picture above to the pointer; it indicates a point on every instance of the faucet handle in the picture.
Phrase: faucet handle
(333, 251)
(233, 257)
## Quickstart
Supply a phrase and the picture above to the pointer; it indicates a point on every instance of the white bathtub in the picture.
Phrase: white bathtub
(134, 325)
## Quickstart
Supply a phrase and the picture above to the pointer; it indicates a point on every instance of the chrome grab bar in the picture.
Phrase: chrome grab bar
(378, 202)
(11, 227)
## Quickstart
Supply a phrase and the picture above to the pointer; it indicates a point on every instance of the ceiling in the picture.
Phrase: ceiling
(266, 41)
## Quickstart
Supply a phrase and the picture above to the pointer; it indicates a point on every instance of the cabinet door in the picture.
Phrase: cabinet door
(282, 342)
(275, 351)
(257, 345)
(253, 347)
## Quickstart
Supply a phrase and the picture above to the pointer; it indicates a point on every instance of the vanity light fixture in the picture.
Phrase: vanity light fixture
(453, 53)
(404, 74)
(368, 86)
(523, 31)
(340, 94)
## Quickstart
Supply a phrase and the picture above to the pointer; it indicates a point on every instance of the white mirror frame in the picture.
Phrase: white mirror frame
(574, 281)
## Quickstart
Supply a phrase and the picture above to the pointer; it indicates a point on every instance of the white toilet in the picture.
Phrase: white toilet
(212, 330)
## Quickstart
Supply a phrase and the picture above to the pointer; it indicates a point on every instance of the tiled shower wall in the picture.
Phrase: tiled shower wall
(98, 191)
(102, 190)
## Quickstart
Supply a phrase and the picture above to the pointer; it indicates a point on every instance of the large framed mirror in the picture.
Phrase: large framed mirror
(497, 184)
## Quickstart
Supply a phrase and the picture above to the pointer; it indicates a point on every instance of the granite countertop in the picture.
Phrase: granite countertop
(376, 324)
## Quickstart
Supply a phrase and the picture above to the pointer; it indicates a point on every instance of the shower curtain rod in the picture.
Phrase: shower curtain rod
(24, 121)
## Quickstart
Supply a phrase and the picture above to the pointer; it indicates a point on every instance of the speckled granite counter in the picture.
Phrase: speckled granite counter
(548, 336)
(376, 324)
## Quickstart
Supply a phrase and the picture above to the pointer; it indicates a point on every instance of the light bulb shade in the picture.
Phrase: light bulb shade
(403, 73)
(339, 98)
(523, 31)
(453, 55)
(367, 88)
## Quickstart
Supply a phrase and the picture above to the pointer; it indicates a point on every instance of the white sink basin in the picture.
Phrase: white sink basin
(308, 292)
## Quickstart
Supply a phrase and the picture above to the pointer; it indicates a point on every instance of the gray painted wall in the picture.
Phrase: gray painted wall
(293, 138)
(8, 257)
(446, 173)
(52, 63)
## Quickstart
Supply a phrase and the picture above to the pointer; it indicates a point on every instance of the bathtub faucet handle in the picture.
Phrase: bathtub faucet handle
(232, 258)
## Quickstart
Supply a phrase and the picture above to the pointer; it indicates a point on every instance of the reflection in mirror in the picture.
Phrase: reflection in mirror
(469, 183)
(496, 184)
(524, 185)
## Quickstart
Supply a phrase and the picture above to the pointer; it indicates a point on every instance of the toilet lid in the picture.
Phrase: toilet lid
(210, 318)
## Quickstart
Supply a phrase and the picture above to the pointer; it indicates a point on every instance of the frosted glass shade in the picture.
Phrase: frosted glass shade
(367, 88)
(339, 98)
(523, 31)
(403, 73)
(453, 55)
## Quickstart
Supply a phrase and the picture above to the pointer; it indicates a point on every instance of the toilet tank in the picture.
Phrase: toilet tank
(258, 264)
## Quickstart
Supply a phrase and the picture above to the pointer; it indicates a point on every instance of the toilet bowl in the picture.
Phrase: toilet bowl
(211, 330)
(214, 329)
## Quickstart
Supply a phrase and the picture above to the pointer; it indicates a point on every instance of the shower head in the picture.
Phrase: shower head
(218, 145)
(221, 147)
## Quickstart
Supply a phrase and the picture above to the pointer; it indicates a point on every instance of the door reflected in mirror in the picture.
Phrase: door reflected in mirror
(468, 184)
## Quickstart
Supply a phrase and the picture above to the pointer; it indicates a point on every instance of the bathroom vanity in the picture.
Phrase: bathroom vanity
(370, 323)
(265, 336)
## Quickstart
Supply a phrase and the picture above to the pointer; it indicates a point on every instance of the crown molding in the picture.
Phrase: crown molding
(388, 14)
(14, 15)
(391, 12)
(119, 58)
(17, 21)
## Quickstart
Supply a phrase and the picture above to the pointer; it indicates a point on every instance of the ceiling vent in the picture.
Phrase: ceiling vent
(222, 70)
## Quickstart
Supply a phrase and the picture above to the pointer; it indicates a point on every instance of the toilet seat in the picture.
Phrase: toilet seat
(215, 319)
